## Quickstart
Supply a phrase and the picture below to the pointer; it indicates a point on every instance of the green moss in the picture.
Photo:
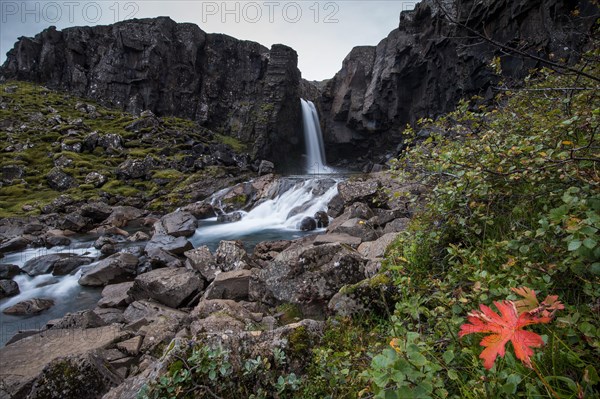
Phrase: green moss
(299, 342)
(291, 313)
(234, 143)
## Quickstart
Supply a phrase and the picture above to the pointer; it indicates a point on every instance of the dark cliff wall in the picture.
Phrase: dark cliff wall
(426, 65)
(234, 87)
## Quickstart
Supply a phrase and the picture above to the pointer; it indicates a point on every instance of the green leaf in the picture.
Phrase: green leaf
(452, 374)
(448, 356)
(590, 375)
(590, 243)
(574, 245)
(509, 388)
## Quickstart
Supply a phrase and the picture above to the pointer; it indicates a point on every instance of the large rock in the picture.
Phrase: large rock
(169, 286)
(116, 268)
(116, 295)
(373, 296)
(230, 285)
(58, 264)
(232, 86)
(29, 307)
(426, 65)
(377, 248)
(8, 288)
(308, 275)
(81, 319)
(357, 228)
(203, 261)
(59, 180)
(174, 245)
(23, 361)
(231, 255)
(8, 271)
(97, 211)
(14, 244)
(177, 224)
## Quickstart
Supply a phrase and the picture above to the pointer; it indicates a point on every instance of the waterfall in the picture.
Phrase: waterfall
(315, 149)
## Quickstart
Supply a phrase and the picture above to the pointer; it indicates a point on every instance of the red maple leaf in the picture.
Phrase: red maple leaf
(508, 326)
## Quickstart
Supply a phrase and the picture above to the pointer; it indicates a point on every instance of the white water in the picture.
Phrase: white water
(315, 148)
(272, 215)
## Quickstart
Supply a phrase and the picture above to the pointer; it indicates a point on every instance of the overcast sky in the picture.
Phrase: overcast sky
(322, 32)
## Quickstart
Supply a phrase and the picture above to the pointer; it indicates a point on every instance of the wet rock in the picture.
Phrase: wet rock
(203, 261)
(59, 180)
(96, 179)
(169, 286)
(56, 240)
(46, 264)
(177, 224)
(14, 244)
(115, 295)
(322, 219)
(67, 265)
(266, 167)
(336, 206)
(28, 307)
(116, 268)
(96, 211)
(104, 240)
(174, 245)
(307, 224)
(231, 255)
(200, 210)
(229, 217)
(8, 288)
(230, 285)
(8, 271)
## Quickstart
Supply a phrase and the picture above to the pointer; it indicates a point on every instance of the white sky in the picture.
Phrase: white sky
(322, 32)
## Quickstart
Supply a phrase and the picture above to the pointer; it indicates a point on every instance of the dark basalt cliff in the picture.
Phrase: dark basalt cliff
(426, 65)
(234, 87)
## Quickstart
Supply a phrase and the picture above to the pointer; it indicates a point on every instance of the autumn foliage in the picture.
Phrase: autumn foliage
(508, 325)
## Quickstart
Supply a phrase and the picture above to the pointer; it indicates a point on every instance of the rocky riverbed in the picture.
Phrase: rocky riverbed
(157, 289)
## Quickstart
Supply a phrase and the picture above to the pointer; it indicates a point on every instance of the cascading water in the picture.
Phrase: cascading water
(274, 218)
(315, 149)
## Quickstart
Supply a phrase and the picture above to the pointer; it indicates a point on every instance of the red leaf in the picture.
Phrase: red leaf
(508, 326)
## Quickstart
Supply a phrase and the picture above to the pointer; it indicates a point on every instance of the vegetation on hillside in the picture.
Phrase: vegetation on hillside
(41, 129)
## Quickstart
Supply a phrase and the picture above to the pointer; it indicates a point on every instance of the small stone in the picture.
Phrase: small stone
(131, 346)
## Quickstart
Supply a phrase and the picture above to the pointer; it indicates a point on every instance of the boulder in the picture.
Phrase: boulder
(96, 179)
(117, 268)
(151, 311)
(57, 240)
(159, 258)
(169, 286)
(27, 359)
(7, 271)
(230, 285)
(351, 191)
(265, 167)
(81, 319)
(322, 219)
(111, 142)
(267, 250)
(8, 288)
(110, 315)
(344, 239)
(29, 307)
(96, 211)
(122, 215)
(74, 221)
(65, 263)
(177, 224)
(200, 210)
(231, 255)
(229, 217)
(358, 228)
(138, 236)
(115, 295)
(203, 261)
(307, 224)
(174, 245)
(59, 180)
(131, 346)
(14, 244)
(376, 249)
(397, 225)
(135, 168)
(374, 296)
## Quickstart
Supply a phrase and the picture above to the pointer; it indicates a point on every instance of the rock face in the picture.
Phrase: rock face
(426, 65)
(169, 286)
(237, 87)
